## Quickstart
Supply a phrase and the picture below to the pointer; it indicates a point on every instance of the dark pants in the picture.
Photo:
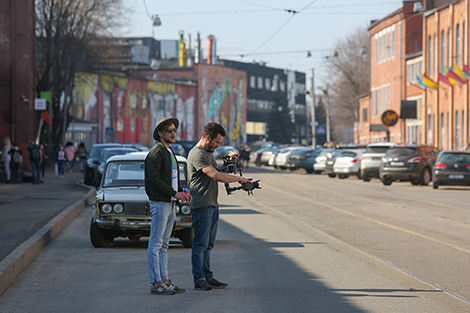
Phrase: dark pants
(205, 222)
(36, 169)
(14, 172)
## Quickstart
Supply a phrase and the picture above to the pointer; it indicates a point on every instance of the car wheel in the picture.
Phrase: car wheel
(435, 185)
(426, 177)
(342, 176)
(332, 175)
(309, 171)
(386, 181)
(414, 182)
(187, 236)
(283, 168)
(292, 168)
(99, 237)
(365, 178)
(258, 162)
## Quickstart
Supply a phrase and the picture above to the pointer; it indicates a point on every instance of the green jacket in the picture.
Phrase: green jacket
(158, 174)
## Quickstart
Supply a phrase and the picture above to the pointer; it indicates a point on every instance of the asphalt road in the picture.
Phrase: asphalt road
(304, 243)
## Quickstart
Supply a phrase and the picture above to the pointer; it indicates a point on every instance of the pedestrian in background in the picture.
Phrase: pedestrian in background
(16, 159)
(35, 160)
(83, 155)
(6, 158)
(162, 188)
(61, 159)
(44, 158)
(70, 153)
(203, 178)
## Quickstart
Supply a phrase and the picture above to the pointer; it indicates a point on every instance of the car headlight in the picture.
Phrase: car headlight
(118, 208)
(106, 208)
(185, 209)
(177, 208)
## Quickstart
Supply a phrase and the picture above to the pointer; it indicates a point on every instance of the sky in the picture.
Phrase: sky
(260, 30)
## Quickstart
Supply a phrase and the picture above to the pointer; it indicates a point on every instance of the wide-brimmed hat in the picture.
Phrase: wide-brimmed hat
(162, 121)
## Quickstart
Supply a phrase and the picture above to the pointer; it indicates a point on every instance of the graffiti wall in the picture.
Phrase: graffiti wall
(223, 99)
(126, 109)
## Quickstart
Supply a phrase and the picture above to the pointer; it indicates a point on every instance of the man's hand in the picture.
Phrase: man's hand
(233, 155)
(243, 180)
(183, 197)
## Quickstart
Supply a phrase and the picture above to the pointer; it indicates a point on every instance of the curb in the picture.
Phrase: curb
(19, 259)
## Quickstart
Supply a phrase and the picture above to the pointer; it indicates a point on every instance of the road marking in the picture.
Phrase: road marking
(388, 263)
(373, 220)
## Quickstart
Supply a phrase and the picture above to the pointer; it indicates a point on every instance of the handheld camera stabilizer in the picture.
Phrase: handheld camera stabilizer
(234, 165)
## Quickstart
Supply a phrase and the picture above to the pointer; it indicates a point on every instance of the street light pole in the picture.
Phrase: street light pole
(313, 122)
(325, 91)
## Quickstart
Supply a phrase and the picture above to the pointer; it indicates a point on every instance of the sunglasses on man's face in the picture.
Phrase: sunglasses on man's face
(171, 131)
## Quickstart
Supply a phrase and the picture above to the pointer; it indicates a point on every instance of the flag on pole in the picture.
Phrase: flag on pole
(428, 82)
(454, 76)
(466, 71)
(444, 79)
(46, 118)
(417, 86)
(457, 70)
(420, 82)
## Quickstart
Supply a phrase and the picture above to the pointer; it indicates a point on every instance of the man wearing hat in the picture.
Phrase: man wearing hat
(161, 186)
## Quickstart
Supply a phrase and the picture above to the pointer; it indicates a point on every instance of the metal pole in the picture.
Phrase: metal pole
(327, 117)
(313, 122)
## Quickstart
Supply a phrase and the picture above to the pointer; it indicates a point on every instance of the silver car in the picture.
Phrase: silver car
(121, 207)
(320, 161)
(371, 159)
(348, 163)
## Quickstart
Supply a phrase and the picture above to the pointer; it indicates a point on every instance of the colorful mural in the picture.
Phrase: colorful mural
(126, 109)
(223, 100)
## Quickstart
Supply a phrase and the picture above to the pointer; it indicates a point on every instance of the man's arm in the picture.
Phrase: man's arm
(222, 177)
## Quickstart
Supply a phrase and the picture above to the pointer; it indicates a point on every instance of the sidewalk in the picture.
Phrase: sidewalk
(32, 215)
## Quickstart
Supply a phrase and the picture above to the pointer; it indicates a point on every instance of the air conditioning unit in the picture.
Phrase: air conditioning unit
(417, 7)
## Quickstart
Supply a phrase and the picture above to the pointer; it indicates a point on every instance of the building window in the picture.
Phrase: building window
(275, 84)
(463, 44)
(443, 69)
(448, 132)
(376, 50)
(364, 115)
(388, 46)
(429, 55)
(457, 39)
(282, 86)
(434, 59)
(267, 83)
(393, 43)
(442, 131)
(260, 82)
(252, 82)
(448, 47)
(463, 130)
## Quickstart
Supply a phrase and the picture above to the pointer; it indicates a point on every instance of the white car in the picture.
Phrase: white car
(371, 159)
(121, 207)
(348, 163)
(281, 160)
(320, 161)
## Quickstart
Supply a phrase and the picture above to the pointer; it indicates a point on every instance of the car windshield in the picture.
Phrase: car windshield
(107, 154)
(376, 149)
(124, 174)
(455, 158)
(350, 154)
(401, 152)
(300, 151)
(96, 151)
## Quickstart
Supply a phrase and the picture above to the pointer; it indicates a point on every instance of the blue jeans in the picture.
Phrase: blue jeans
(36, 169)
(163, 218)
(205, 222)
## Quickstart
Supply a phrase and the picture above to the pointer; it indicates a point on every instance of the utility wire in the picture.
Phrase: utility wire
(146, 10)
(277, 32)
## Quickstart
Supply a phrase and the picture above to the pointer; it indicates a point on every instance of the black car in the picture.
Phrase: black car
(408, 163)
(294, 160)
(105, 154)
(309, 160)
(451, 168)
(93, 162)
(187, 145)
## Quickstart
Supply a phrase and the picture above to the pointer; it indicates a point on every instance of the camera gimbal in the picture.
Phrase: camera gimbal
(234, 165)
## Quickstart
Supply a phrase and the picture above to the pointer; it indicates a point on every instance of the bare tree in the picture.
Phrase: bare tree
(348, 77)
(64, 30)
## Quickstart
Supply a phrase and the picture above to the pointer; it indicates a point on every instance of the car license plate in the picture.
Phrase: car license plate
(397, 164)
(456, 177)
(329, 163)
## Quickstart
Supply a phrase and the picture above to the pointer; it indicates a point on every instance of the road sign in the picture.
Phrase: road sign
(321, 130)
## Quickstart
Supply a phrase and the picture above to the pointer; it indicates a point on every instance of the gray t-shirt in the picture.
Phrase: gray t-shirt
(204, 189)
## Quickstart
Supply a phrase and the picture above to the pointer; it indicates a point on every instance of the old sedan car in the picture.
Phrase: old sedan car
(105, 155)
(451, 168)
(408, 163)
(121, 207)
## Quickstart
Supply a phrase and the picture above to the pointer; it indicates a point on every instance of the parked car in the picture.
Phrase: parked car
(222, 151)
(257, 155)
(177, 148)
(187, 145)
(121, 207)
(308, 162)
(320, 161)
(281, 158)
(408, 163)
(295, 158)
(105, 155)
(348, 163)
(134, 145)
(371, 159)
(330, 162)
(451, 168)
(93, 161)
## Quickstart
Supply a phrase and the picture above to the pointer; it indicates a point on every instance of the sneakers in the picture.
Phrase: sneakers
(201, 284)
(214, 283)
(161, 289)
(177, 289)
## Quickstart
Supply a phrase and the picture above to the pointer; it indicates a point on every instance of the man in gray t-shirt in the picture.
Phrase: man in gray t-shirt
(203, 178)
